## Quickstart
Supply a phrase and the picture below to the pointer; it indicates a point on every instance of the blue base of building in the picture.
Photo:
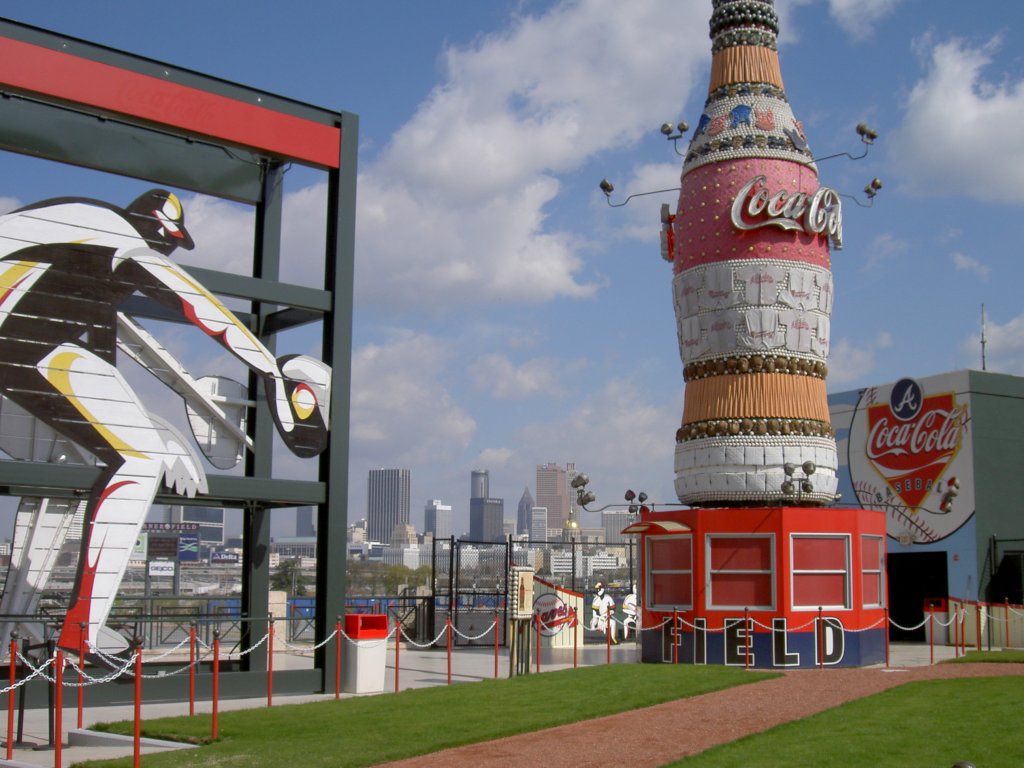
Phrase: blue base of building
(832, 646)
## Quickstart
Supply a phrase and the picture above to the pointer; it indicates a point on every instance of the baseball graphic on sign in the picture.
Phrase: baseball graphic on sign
(905, 457)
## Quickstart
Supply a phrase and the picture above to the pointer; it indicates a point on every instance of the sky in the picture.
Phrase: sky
(505, 315)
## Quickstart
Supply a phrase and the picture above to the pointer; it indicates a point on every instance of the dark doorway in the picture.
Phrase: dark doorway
(913, 577)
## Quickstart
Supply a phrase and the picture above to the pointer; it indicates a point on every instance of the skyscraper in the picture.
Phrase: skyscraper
(304, 522)
(486, 515)
(437, 519)
(523, 515)
(479, 484)
(613, 521)
(553, 493)
(387, 502)
(538, 524)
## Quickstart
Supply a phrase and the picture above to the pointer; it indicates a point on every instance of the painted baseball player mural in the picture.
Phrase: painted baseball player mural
(66, 266)
(629, 609)
(603, 611)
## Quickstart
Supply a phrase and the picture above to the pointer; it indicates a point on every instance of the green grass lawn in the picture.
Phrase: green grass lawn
(373, 729)
(997, 657)
(930, 724)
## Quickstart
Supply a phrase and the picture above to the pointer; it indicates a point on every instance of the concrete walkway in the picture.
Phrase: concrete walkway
(419, 669)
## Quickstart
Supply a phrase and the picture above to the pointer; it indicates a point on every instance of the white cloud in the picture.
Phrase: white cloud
(455, 205)
(616, 437)
(401, 411)
(642, 213)
(222, 232)
(494, 458)
(498, 376)
(859, 17)
(848, 364)
(1004, 347)
(967, 263)
(960, 133)
(883, 248)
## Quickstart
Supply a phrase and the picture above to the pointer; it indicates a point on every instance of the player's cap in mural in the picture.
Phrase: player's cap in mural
(159, 217)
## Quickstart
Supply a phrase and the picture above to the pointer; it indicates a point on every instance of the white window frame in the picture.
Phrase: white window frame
(651, 573)
(709, 571)
(879, 570)
(847, 573)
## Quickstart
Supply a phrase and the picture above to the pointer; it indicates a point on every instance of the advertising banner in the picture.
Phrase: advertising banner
(909, 454)
(160, 568)
(140, 550)
(188, 547)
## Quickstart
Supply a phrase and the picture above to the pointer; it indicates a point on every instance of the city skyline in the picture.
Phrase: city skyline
(505, 315)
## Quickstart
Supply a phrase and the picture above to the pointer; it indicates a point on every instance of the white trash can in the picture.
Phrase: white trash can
(364, 657)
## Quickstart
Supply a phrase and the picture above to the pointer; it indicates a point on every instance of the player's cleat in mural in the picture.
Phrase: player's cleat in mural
(66, 267)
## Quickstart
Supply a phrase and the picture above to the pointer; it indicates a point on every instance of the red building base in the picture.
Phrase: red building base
(764, 587)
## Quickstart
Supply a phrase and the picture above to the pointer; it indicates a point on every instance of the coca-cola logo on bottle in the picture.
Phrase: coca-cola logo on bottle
(820, 213)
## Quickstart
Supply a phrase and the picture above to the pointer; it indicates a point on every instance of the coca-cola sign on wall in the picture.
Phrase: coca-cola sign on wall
(904, 445)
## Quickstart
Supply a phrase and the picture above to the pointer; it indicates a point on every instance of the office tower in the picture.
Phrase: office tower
(387, 502)
(437, 519)
(539, 524)
(486, 515)
(613, 521)
(479, 484)
(523, 515)
(553, 493)
(403, 535)
(487, 520)
(304, 523)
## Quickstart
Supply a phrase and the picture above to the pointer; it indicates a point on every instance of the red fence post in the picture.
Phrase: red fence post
(887, 636)
(536, 625)
(1006, 603)
(675, 636)
(448, 627)
(821, 641)
(12, 679)
(497, 630)
(192, 669)
(216, 683)
(955, 630)
(398, 645)
(58, 708)
(270, 662)
(608, 637)
(963, 630)
(575, 636)
(931, 637)
(337, 658)
(137, 726)
(746, 635)
(81, 676)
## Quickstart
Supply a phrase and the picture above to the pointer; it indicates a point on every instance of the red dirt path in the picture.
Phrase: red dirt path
(652, 736)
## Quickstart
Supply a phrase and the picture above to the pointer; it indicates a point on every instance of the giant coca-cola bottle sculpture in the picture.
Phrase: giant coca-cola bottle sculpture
(752, 284)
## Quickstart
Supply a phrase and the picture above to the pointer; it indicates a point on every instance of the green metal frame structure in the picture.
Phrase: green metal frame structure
(82, 104)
